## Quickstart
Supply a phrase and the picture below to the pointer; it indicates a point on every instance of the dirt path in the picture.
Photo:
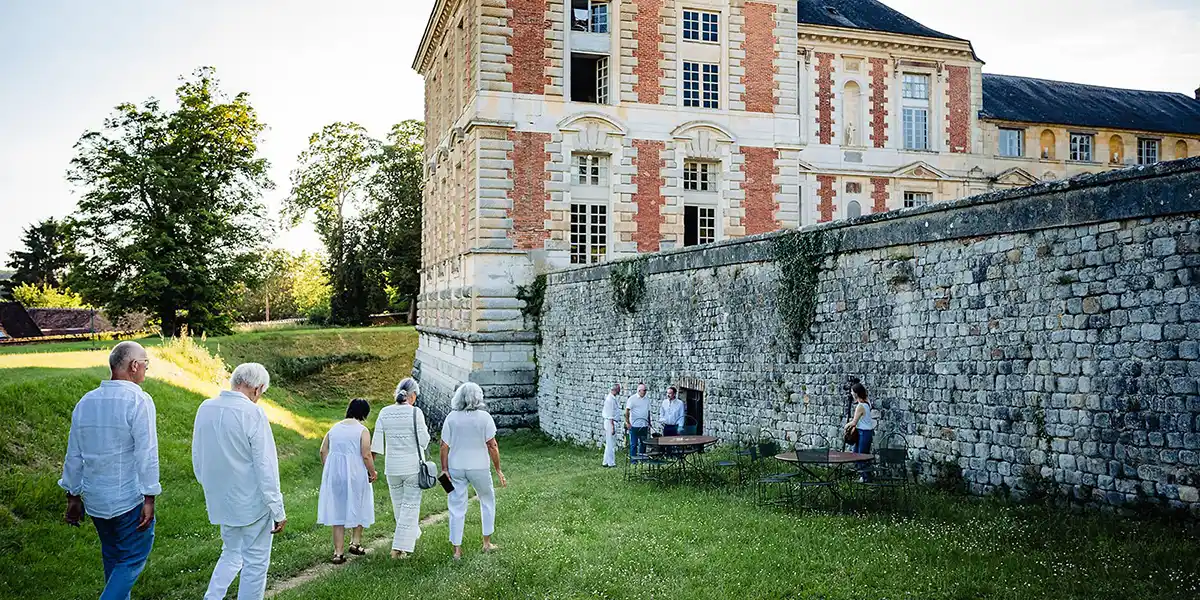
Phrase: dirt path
(322, 569)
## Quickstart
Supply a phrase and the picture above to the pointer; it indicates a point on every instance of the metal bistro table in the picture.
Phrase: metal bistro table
(684, 450)
(834, 462)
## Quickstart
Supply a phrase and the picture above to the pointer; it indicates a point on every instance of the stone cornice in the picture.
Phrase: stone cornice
(434, 29)
(1082, 128)
(885, 41)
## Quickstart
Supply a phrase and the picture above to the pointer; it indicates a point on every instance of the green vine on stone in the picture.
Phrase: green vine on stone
(799, 256)
(628, 283)
(533, 295)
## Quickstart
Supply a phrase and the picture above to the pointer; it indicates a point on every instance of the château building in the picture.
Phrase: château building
(563, 132)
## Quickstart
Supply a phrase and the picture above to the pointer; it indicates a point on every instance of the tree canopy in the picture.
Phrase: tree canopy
(45, 256)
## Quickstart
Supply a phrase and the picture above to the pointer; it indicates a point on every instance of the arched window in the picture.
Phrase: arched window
(1048, 144)
(851, 111)
(853, 209)
(1116, 150)
(1181, 150)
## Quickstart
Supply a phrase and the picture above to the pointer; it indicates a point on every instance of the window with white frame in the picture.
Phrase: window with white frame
(701, 26)
(589, 15)
(915, 111)
(912, 199)
(699, 176)
(701, 85)
(590, 169)
(589, 233)
(916, 86)
(699, 225)
(1081, 146)
(602, 80)
(1147, 152)
(1012, 142)
(589, 78)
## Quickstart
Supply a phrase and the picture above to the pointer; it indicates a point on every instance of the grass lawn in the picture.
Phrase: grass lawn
(568, 528)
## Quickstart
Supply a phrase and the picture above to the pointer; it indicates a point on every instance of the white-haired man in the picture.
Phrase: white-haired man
(234, 458)
(111, 468)
(612, 407)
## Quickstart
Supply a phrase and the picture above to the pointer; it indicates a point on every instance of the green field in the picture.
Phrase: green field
(568, 529)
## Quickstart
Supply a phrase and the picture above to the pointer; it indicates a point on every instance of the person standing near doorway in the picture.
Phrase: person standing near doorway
(671, 413)
(608, 416)
(637, 421)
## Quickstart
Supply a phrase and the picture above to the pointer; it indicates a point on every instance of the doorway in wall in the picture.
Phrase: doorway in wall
(691, 391)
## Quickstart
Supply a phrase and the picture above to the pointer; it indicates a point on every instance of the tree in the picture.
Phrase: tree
(394, 213)
(171, 216)
(285, 286)
(47, 252)
(330, 182)
(44, 295)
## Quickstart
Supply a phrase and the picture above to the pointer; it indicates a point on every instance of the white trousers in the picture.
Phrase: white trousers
(246, 549)
(456, 502)
(406, 506)
(610, 444)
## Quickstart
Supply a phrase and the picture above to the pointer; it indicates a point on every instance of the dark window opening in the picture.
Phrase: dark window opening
(699, 225)
(693, 419)
(589, 79)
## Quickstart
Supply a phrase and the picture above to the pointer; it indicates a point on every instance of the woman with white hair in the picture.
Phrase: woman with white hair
(468, 440)
(402, 436)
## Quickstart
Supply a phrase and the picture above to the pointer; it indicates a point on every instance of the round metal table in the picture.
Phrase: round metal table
(684, 450)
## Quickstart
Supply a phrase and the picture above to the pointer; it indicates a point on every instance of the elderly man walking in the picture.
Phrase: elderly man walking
(234, 458)
(612, 407)
(111, 468)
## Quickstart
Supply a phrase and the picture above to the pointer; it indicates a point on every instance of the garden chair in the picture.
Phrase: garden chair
(889, 478)
(812, 476)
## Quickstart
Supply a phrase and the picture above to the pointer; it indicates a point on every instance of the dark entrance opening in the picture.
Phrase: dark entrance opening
(693, 419)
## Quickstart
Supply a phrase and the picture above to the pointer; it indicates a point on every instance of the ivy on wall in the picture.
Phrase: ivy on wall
(628, 283)
(799, 256)
(533, 295)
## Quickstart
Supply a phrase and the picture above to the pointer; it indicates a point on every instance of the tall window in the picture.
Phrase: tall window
(701, 85)
(915, 114)
(912, 199)
(699, 225)
(589, 78)
(699, 176)
(589, 233)
(1012, 142)
(1147, 152)
(700, 26)
(602, 80)
(589, 15)
(591, 169)
(1081, 146)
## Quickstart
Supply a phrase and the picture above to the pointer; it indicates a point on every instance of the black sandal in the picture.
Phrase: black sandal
(338, 559)
(357, 549)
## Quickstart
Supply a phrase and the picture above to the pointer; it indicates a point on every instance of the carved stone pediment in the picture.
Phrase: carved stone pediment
(920, 170)
(1016, 176)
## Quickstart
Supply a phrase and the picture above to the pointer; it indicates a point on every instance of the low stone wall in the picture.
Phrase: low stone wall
(1039, 339)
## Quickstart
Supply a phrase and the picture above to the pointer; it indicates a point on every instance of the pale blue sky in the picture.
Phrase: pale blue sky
(65, 63)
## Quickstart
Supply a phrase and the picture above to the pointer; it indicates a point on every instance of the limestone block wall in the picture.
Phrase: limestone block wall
(1047, 336)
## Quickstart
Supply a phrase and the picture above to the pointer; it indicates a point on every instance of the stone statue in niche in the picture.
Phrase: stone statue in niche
(851, 135)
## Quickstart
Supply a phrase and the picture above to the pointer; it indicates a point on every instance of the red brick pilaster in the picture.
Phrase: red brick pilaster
(958, 108)
(760, 57)
(528, 59)
(528, 195)
(879, 102)
(826, 191)
(648, 197)
(760, 188)
(648, 53)
(879, 193)
(825, 97)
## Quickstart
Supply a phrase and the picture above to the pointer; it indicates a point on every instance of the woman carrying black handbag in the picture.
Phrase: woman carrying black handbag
(402, 436)
(861, 426)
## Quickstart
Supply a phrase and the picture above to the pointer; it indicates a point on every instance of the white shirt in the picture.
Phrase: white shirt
(112, 450)
(467, 433)
(671, 412)
(394, 438)
(639, 410)
(611, 408)
(235, 461)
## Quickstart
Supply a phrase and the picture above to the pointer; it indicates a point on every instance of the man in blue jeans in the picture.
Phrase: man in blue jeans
(111, 468)
(637, 421)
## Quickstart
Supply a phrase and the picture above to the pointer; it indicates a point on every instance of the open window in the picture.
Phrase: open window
(589, 78)
(589, 15)
(699, 225)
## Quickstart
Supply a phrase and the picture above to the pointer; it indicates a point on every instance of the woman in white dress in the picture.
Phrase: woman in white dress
(468, 441)
(402, 436)
(346, 498)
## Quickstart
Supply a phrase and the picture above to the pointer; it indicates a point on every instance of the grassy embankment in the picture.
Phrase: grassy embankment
(568, 528)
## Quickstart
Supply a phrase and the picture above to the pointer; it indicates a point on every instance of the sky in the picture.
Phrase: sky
(64, 64)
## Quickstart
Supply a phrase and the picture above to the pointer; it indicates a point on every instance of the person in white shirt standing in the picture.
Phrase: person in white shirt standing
(468, 440)
(671, 413)
(612, 406)
(637, 421)
(234, 458)
(111, 468)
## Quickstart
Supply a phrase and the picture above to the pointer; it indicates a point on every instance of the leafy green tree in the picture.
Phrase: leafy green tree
(45, 256)
(285, 286)
(394, 213)
(171, 216)
(310, 285)
(44, 295)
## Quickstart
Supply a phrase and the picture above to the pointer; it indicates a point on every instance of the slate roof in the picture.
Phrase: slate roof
(16, 321)
(65, 321)
(1011, 98)
(862, 14)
